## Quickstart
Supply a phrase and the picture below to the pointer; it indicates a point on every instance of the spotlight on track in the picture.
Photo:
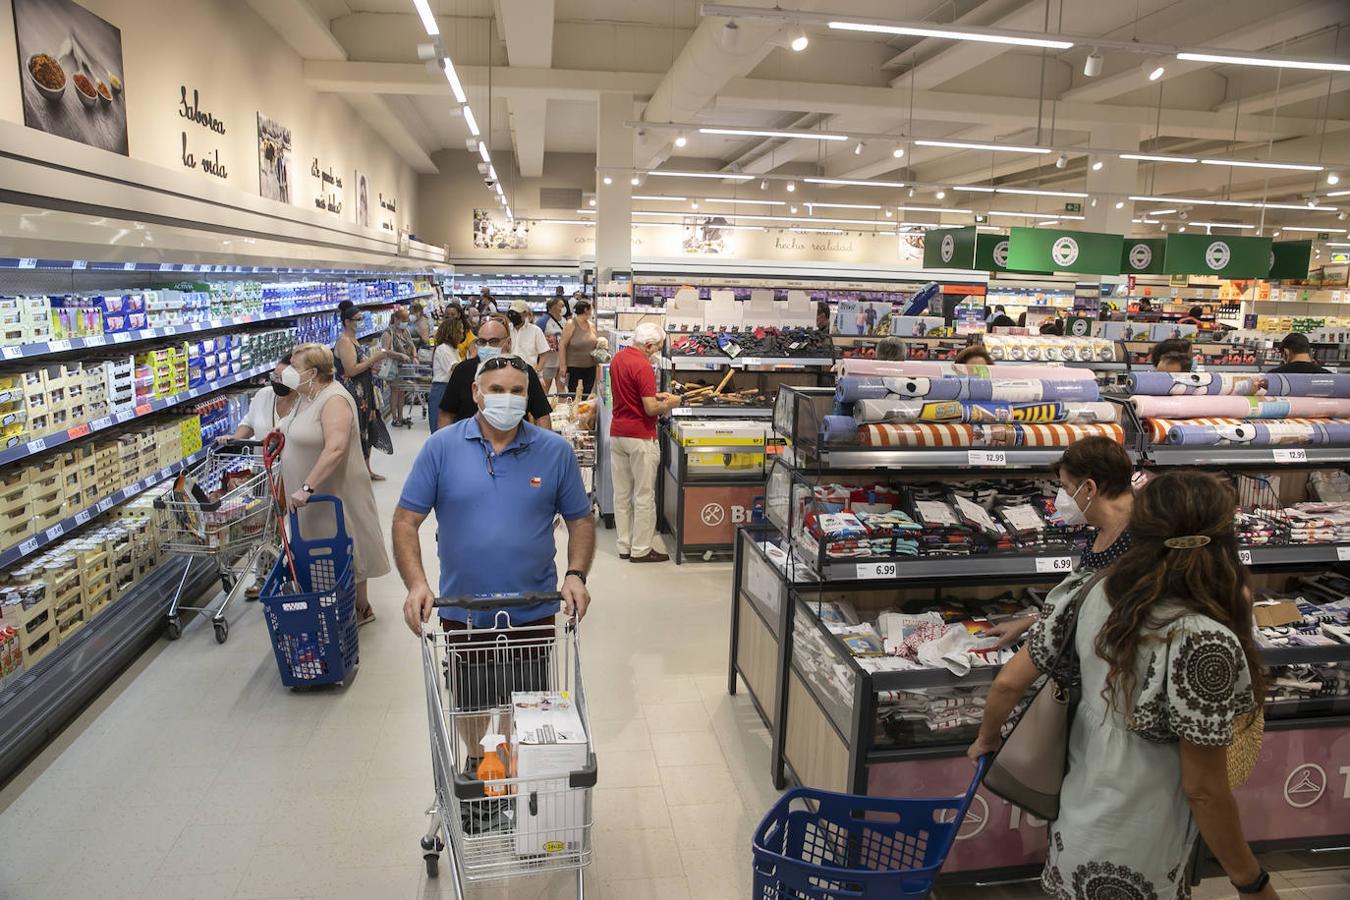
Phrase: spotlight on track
(1097, 165)
(1153, 68)
(799, 41)
(1061, 161)
(1092, 66)
(681, 139)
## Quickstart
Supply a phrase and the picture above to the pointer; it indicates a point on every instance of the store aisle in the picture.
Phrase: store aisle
(198, 776)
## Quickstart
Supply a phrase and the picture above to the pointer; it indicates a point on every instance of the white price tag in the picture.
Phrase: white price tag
(128, 267)
(1290, 454)
(37, 446)
(28, 546)
(28, 264)
(166, 267)
(164, 473)
(875, 570)
(11, 352)
(82, 516)
(58, 346)
(78, 264)
(104, 505)
(1342, 554)
(55, 532)
(100, 424)
(126, 415)
(121, 337)
(1245, 557)
(1061, 564)
(987, 457)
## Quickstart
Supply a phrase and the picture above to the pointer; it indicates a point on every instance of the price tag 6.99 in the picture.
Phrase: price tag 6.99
(1342, 554)
(104, 505)
(55, 532)
(1060, 564)
(1245, 557)
(875, 570)
(28, 546)
(1290, 454)
(986, 457)
(82, 516)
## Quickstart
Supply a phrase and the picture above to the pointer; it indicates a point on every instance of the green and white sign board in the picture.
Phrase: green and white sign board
(1051, 250)
(949, 248)
(1289, 260)
(1221, 255)
(991, 252)
(1143, 256)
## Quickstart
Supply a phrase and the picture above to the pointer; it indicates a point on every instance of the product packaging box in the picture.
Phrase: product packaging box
(549, 743)
(721, 433)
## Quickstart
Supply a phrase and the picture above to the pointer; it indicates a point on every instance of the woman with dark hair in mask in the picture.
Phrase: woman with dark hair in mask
(353, 368)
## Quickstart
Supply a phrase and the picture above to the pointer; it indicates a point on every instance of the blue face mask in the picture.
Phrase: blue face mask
(503, 411)
(485, 352)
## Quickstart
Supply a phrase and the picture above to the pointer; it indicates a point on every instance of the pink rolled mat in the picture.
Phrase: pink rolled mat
(1236, 407)
(898, 369)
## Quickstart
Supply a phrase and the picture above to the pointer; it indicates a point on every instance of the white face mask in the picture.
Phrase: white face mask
(1067, 507)
(504, 411)
(290, 377)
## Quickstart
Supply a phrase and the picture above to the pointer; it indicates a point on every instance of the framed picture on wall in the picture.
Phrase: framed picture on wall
(362, 204)
(274, 159)
(70, 70)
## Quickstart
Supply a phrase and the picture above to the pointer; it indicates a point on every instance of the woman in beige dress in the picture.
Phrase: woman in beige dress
(323, 455)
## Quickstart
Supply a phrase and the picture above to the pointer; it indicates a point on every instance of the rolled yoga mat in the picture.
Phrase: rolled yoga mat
(936, 434)
(1159, 431)
(894, 409)
(1269, 433)
(901, 369)
(1162, 384)
(1237, 407)
(852, 388)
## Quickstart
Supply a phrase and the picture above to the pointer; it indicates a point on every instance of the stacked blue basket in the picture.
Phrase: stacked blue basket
(313, 620)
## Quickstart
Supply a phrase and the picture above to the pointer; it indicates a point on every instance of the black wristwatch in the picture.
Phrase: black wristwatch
(306, 488)
(1256, 886)
(577, 572)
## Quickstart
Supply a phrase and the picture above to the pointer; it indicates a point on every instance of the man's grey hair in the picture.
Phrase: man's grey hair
(648, 333)
(478, 377)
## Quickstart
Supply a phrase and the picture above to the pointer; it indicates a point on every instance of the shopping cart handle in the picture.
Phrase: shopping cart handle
(498, 601)
(237, 444)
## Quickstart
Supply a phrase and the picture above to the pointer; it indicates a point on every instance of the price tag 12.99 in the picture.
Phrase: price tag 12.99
(1060, 564)
(875, 570)
(986, 457)
(1245, 557)
(1290, 454)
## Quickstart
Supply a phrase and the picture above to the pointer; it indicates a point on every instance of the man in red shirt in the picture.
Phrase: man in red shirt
(634, 453)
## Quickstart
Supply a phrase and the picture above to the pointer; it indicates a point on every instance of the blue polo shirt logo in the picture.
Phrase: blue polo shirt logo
(536, 481)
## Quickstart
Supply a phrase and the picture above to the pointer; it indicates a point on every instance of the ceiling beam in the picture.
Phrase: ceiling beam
(1311, 89)
(953, 59)
(413, 78)
(527, 26)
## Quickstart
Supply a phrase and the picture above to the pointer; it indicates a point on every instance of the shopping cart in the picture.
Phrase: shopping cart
(414, 380)
(819, 845)
(309, 600)
(222, 508)
(520, 825)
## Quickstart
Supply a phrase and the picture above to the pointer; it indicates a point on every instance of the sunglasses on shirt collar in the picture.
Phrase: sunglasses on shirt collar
(501, 362)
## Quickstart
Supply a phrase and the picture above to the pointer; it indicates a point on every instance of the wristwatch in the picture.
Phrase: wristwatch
(1256, 886)
(306, 488)
(577, 572)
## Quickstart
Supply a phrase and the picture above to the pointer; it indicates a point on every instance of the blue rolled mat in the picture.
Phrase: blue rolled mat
(1295, 384)
(852, 388)
(839, 428)
(1163, 384)
(1249, 434)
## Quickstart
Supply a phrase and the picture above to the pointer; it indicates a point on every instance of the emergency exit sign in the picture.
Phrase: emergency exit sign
(1073, 207)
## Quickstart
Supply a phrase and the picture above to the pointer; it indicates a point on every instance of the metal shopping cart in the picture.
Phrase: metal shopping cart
(222, 508)
(819, 845)
(526, 824)
(414, 380)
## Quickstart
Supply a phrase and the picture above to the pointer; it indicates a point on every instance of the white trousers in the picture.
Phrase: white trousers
(635, 461)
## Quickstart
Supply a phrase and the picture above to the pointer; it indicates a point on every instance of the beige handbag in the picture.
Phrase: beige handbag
(1246, 746)
(1028, 770)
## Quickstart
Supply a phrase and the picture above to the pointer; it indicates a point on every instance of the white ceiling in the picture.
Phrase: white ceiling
(662, 51)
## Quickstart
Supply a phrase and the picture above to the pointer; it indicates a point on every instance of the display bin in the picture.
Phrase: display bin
(70, 620)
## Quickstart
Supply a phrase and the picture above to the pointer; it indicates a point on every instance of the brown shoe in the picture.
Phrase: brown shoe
(651, 556)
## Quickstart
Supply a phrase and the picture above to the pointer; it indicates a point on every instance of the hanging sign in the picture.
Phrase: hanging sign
(1052, 250)
(949, 248)
(1289, 260)
(1221, 255)
(991, 253)
(1143, 256)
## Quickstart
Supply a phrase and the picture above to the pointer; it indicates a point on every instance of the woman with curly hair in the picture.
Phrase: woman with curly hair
(1163, 652)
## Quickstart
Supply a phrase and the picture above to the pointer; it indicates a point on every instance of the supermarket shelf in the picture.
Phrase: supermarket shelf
(95, 266)
(39, 445)
(721, 412)
(956, 568)
(937, 459)
(13, 554)
(37, 704)
(1295, 554)
(1245, 456)
(705, 363)
(1303, 656)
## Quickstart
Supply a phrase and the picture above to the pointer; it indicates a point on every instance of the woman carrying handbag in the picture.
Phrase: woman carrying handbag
(1160, 648)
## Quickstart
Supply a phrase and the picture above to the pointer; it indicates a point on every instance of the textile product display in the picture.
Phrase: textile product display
(909, 368)
(980, 412)
(924, 434)
(852, 388)
(1259, 433)
(1162, 384)
(1238, 407)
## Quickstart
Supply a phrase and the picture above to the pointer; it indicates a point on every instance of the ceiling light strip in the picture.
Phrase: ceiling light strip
(1255, 164)
(1313, 228)
(755, 132)
(970, 145)
(952, 34)
(855, 182)
(660, 197)
(736, 201)
(1158, 157)
(428, 20)
(720, 176)
(844, 205)
(1031, 215)
(1273, 62)
(1220, 225)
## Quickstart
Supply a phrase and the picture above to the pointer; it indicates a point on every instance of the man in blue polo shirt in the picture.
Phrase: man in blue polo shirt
(496, 483)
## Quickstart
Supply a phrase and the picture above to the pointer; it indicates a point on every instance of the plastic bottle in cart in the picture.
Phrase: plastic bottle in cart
(492, 768)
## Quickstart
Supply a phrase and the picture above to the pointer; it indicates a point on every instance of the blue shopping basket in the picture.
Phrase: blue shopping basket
(312, 619)
(849, 847)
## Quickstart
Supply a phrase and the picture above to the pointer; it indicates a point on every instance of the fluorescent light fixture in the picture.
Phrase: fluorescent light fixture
(453, 77)
(483, 152)
(799, 220)
(1337, 244)
(1339, 194)
(975, 188)
(508, 213)
(1145, 221)
(810, 203)
(1311, 228)
(1239, 204)
(660, 197)
(720, 176)
(1050, 222)
(1221, 225)
(1158, 157)
(492, 171)
(816, 230)
(739, 227)
(1160, 212)
(1040, 193)
(970, 145)
(755, 132)
(1029, 215)
(1253, 164)
(562, 222)
(428, 20)
(733, 200)
(854, 182)
(933, 209)
(987, 228)
(471, 122)
(952, 34)
(1273, 62)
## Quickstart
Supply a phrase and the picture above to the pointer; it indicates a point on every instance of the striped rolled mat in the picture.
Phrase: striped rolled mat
(938, 434)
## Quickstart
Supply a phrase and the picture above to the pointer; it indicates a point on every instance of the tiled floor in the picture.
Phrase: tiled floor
(197, 776)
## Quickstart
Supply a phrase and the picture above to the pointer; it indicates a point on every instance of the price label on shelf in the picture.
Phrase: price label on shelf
(125, 415)
(78, 264)
(104, 505)
(1245, 557)
(875, 570)
(166, 267)
(37, 446)
(1342, 554)
(121, 337)
(100, 424)
(987, 457)
(165, 472)
(58, 346)
(143, 409)
(55, 531)
(28, 264)
(11, 352)
(82, 516)
(1060, 564)
(128, 267)
(28, 546)
(1290, 454)
(78, 431)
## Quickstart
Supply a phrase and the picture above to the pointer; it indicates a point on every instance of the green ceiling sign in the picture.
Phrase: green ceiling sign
(1221, 255)
(949, 248)
(1289, 260)
(991, 252)
(1052, 250)
(1143, 256)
